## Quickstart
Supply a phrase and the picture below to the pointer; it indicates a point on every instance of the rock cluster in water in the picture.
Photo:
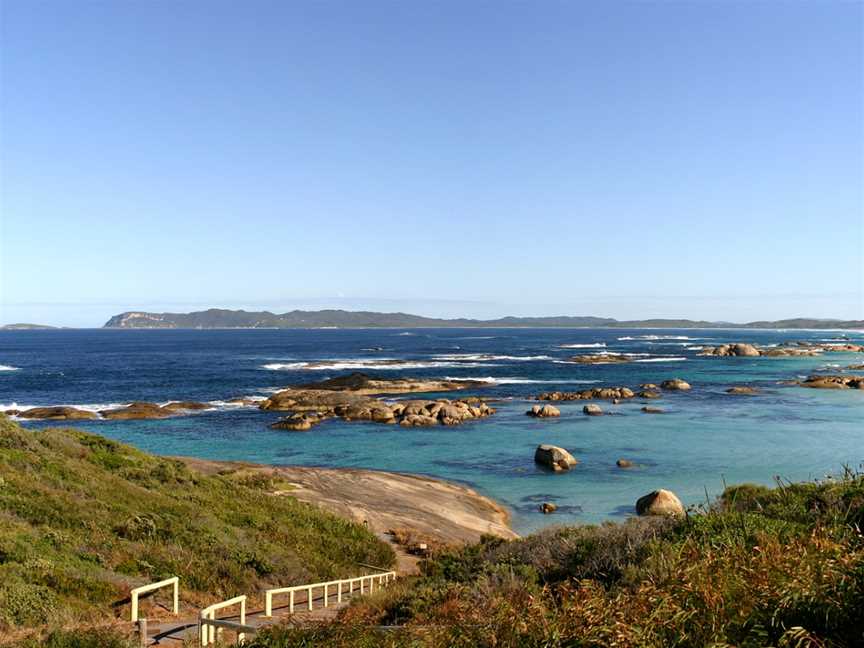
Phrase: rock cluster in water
(546, 411)
(136, 410)
(350, 398)
(605, 393)
(600, 358)
(834, 381)
(785, 350)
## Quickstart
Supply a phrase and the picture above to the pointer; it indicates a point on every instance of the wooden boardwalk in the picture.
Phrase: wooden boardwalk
(185, 629)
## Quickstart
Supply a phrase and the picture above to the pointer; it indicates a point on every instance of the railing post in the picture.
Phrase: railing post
(176, 596)
(202, 628)
(325, 594)
(268, 604)
(134, 607)
(339, 592)
(212, 627)
(142, 632)
(309, 597)
(291, 604)
(241, 636)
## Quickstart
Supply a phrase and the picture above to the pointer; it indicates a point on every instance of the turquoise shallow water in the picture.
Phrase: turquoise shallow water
(705, 437)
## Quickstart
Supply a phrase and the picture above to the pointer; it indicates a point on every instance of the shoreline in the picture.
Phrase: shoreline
(444, 511)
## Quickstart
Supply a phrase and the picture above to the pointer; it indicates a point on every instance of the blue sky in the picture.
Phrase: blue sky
(621, 159)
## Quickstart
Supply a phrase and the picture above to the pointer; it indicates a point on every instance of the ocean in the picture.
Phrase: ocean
(704, 439)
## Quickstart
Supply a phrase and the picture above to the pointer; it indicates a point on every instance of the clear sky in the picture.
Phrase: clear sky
(480, 158)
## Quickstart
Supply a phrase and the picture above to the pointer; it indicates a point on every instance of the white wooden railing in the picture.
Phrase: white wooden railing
(174, 580)
(340, 586)
(208, 622)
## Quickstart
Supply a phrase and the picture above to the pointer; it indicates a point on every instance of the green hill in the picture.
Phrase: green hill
(83, 519)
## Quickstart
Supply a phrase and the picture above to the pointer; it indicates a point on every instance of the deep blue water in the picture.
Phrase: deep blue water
(705, 437)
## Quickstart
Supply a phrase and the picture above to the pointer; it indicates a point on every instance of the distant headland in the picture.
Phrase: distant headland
(26, 327)
(216, 318)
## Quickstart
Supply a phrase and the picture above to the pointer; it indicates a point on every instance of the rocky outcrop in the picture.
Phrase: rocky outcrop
(347, 398)
(600, 358)
(360, 383)
(300, 422)
(834, 382)
(548, 507)
(592, 410)
(794, 349)
(742, 390)
(660, 502)
(60, 413)
(597, 393)
(675, 384)
(553, 457)
(736, 349)
(546, 411)
(144, 410)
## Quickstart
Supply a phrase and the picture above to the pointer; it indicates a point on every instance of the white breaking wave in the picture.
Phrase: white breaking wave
(481, 357)
(87, 407)
(519, 381)
(378, 365)
(661, 337)
(598, 345)
(9, 368)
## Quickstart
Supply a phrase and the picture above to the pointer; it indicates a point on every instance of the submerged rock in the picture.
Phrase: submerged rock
(742, 390)
(624, 463)
(592, 410)
(834, 382)
(652, 410)
(675, 384)
(659, 502)
(548, 507)
(554, 457)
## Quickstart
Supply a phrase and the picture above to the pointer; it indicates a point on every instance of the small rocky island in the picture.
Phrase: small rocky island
(353, 398)
(790, 349)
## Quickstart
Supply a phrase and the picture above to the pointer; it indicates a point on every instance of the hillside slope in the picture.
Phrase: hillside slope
(763, 567)
(222, 318)
(83, 519)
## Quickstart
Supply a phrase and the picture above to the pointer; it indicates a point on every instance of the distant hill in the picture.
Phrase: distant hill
(222, 318)
(26, 327)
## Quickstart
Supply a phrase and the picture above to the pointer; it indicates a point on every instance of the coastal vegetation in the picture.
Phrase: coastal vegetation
(760, 567)
(85, 519)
